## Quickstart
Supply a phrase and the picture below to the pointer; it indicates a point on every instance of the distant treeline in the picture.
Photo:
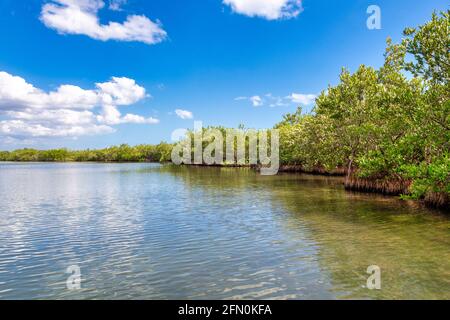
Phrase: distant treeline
(122, 153)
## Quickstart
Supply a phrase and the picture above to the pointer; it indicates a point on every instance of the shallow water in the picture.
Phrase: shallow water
(145, 231)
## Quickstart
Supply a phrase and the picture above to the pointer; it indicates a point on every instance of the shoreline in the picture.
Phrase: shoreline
(384, 187)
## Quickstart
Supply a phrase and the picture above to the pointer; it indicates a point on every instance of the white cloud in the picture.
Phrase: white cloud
(116, 5)
(110, 115)
(133, 118)
(80, 17)
(276, 101)
(21, 129)
(69, 111)
(304, 99)
(256, 101)
(184, 114)
(268, 9)
(121, 91)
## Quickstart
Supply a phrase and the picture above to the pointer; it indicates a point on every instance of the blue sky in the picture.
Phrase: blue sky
(207, 58)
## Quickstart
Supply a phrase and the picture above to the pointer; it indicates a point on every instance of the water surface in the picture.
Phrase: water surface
(145, 231)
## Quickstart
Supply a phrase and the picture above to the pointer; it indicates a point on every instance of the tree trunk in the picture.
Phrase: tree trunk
(349, 171)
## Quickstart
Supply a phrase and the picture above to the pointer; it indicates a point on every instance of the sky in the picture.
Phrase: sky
(95, 73)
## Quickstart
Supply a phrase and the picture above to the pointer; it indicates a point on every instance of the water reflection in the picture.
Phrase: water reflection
(162, 232)
(352, 231)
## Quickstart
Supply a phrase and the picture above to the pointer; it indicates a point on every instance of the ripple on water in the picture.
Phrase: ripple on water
(143, 231)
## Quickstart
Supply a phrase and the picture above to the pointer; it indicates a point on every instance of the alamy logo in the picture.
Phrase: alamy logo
(242, 147)
(74, 281)
(374, 281)
(374, 20)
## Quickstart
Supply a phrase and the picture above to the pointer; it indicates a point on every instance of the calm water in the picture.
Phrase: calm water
(144, 231)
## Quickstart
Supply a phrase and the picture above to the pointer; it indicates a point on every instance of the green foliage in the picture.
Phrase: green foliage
(429, 178)
(381, 124)
(429, 46)
(122, 153)
(241, 136)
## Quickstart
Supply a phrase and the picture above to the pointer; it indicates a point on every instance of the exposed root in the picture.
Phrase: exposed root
(315, 170)
(383, 186)
(439, 200)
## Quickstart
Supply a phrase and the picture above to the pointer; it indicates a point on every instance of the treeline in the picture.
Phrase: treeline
(241, 141)
(387, 129)
(122, 153)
